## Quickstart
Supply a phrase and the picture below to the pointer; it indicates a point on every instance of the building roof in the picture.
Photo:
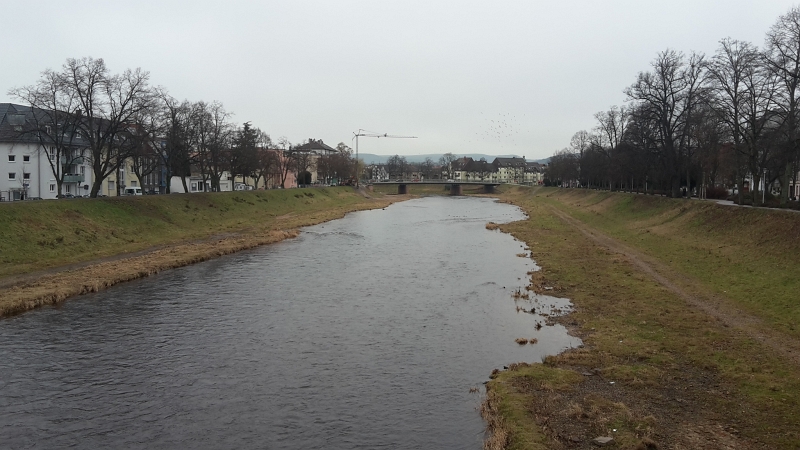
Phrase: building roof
(14, 122)
(509, 162)
(533, 167)
(23, 124)
(315, 145)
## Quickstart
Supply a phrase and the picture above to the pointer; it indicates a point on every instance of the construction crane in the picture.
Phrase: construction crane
(366, 133)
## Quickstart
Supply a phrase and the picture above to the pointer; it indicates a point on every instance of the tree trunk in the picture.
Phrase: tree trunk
(168, 181)
(740, 187)
(784, 180)
(675, 187)
(754, 190)
(185, 187)
(688, 183)
(117, 184)
(96, 183)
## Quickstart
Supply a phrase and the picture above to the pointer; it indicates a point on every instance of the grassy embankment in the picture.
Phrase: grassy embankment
(108, 240)
(702, 348)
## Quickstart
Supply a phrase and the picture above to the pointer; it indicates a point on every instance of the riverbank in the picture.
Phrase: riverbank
(52, 250)
(689, 316)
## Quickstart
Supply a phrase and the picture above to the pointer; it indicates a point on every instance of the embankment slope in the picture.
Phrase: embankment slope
(689, 314)
(50, 250)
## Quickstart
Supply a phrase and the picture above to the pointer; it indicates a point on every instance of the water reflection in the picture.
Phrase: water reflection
(366, 332)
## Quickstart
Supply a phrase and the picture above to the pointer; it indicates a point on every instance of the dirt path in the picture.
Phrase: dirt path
(693, 292)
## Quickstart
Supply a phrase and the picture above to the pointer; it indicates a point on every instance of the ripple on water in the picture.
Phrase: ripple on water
(364, 332)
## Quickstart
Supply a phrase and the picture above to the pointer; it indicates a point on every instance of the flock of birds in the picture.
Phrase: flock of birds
(504, 128)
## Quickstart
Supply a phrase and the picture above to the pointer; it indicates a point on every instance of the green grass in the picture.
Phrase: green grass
(43, 234)
(648, 339)
(748, 255)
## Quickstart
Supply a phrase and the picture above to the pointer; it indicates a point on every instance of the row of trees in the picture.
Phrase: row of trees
(84, 110)
(397, 166)
(694, 121)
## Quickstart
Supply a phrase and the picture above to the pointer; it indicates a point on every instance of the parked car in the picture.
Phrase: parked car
(133, 191)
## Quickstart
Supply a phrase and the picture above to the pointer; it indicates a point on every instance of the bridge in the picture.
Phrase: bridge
(455, 186)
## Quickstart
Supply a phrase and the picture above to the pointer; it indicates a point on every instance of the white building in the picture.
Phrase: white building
(25, 165)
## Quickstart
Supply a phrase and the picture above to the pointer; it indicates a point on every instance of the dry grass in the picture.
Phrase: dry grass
(521, 341)
(498, 432)
(59, 286)
(492, 226)
(54, 286)
(682, 378)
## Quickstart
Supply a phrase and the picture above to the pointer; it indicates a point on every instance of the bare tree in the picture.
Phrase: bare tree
(212, 137)
(303, 162)
(265, 158)
(345, 166)
(285, 164)
(54, 123)
(563, 168)
(171, 136)
(396, 166)
(446, 161)
(427, 168)
(667, 98)
(743, 97)
(782, 56)
(143, 152)
(108, 105)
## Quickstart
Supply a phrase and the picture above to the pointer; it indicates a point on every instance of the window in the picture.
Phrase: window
(52, 153)
(12, 158)
(83, 170)
(12, 175)
(26, 158)
(26, 176)
(52, 188)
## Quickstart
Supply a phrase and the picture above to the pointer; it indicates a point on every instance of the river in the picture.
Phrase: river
(364, 332)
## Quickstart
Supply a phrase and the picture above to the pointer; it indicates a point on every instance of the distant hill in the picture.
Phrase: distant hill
(370, 158)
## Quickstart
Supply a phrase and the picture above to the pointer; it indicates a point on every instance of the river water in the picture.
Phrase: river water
(365, 332)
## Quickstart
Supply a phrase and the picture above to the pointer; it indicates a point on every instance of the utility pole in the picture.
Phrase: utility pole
(366, 133)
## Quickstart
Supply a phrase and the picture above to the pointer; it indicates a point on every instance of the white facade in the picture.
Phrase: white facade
(25, 172)
(195, 184)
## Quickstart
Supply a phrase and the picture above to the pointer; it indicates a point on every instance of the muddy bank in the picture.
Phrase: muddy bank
(26, 291)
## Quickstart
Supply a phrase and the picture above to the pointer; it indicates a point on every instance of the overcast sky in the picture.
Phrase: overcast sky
(494, 77)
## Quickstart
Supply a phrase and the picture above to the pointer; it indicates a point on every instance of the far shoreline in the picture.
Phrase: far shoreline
(27, 291)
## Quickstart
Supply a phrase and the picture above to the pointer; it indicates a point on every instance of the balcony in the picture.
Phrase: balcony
(74, 178)
(69, 160)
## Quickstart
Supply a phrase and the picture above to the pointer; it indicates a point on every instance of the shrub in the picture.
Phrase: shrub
(716, 192)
